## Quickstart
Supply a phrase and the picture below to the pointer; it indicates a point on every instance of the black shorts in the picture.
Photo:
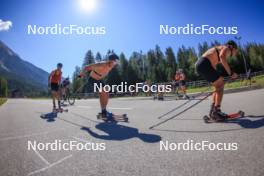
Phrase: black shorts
(54, 87)
(205, 69)
(65, 84)
(182, 83)
(177, 84)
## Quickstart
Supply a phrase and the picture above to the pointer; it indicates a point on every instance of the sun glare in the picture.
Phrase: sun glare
(87, 5)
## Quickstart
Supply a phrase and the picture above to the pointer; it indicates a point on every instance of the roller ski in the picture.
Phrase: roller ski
(59, 110)
(182, 97)
(54, 113)
(48, 115)
(158, 96)
(110, 117)
(217, 117)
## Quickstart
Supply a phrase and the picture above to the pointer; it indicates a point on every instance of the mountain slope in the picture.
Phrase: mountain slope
(21, 74)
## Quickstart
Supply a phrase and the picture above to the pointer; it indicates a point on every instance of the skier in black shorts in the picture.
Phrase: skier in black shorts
(182, 83)
(54, 82)
(98, 72)
(213, 67)
(176, 82)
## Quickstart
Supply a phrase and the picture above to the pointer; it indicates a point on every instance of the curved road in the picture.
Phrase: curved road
(131, 148)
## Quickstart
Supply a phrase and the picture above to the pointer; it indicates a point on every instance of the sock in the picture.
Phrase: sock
(54, 104)
(104, 111)
(217, 108)
(59, 104)
(212, 108)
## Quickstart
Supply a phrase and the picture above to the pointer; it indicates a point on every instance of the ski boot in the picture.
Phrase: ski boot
(54, 110)
(186, 97)
(218, 116)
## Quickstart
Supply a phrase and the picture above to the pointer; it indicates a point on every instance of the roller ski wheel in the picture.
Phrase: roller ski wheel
(208, 119)
(101, 116)
(60, 110)
(122, 117)
(241, 113)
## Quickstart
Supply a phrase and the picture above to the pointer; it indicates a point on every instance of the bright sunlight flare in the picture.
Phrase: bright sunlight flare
(88, 5)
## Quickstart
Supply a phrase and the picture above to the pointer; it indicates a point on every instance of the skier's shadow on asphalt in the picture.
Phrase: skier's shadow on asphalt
(50, 117)
(244, 123)
(248, 123)
(119, 132)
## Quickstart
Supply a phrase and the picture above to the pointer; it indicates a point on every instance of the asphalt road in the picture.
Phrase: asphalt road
(132, 148)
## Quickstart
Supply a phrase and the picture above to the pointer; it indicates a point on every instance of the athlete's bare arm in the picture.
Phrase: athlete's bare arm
(209, 53)
(59, 81)
(223, 60)
(91, 67)
(182, 76)
(50, 76)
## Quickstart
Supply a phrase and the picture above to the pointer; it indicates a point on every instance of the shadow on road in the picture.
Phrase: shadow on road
(119, 132)
(248, 123)
(115, 131)
(244, 123)
(50, 117)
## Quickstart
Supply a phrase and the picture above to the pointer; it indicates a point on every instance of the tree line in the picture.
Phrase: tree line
(157, 66)
(3, 87)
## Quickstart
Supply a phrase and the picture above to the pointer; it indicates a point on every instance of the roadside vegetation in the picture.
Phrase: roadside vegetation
(256, 81)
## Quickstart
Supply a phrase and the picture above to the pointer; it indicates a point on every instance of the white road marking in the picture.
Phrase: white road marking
(50, 165)
(41, 157)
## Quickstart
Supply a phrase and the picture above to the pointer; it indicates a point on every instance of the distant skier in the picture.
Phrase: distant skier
(54, 83)
(182, 83)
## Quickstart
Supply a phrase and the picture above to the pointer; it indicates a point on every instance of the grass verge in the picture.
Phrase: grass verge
(2, 100)
(256, 81)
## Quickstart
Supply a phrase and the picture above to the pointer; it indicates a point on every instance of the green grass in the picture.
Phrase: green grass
(259, 81)
(256, 81)
(2, 101)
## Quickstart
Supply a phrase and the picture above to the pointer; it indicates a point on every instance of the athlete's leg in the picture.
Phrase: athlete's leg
(58, 95)
(219, 90)
(104, 96)
(213, 102)
(220, 96)
(53, 93)
(183, 88)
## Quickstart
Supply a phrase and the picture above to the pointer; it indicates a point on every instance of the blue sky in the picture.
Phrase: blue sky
(131, 25)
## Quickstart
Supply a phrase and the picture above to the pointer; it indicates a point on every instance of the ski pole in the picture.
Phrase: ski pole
(172, 117)
(178, 107)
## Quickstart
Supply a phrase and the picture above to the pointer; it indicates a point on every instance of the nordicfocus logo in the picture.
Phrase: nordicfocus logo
(58, 29)
(190, 145)
(191, 29)
(58, 145)
(138, 87)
